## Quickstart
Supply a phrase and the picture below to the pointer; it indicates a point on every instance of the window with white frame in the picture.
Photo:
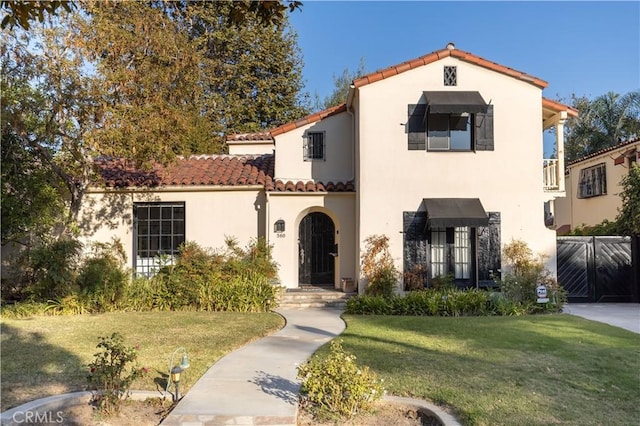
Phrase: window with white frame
(314, 146)
(593, 181)
(159, 230)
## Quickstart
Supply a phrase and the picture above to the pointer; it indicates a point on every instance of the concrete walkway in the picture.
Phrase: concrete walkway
(624, 315)
(257, 384)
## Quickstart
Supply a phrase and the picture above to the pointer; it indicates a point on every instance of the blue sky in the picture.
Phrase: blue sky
(582, 48)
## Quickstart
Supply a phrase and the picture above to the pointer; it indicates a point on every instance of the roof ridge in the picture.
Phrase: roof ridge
(604, 150)
(441, 54)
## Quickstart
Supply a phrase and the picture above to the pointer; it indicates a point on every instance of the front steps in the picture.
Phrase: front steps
(302, 298)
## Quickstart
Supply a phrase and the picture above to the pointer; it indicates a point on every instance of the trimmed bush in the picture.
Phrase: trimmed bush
(336, 387)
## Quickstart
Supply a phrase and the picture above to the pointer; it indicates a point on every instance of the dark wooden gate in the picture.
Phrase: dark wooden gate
(596, 269)
(316, 250)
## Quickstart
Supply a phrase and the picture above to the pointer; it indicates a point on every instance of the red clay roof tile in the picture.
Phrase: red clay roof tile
(440, 54)
(210, 170)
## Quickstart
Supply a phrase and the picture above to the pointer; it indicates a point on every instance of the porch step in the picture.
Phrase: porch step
(313, 298)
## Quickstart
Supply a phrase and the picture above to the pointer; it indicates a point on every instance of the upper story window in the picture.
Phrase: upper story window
(450, 76)
(449, 132)
(593, 181)
(451, 121)
(314, 146)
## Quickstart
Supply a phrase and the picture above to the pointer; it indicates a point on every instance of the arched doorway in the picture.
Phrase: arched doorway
(316, 250)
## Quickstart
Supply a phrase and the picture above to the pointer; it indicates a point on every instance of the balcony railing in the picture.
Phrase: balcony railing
(550, 175)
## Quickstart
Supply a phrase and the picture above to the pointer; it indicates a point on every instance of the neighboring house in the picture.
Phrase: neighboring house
(443, 154)
(593, 186)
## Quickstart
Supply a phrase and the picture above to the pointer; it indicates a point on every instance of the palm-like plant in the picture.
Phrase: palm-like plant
(603, 122)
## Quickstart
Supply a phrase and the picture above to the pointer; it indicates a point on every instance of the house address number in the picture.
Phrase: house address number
(280, 235)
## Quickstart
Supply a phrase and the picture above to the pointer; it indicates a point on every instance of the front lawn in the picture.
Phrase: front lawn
(529, 370)
(44, 355)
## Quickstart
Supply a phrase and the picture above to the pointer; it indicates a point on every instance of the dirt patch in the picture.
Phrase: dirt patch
(140, 413)
(386, 413)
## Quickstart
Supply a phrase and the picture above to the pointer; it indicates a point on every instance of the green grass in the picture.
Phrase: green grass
(45, 355)
(530, 370)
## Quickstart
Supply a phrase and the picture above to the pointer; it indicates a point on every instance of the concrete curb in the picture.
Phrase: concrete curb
(50, 406)
(446, 418)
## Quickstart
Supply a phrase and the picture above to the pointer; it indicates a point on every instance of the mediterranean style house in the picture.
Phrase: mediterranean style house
(593, 186)
(442, 154)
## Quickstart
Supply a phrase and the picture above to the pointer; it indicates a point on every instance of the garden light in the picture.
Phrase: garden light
(176, 370)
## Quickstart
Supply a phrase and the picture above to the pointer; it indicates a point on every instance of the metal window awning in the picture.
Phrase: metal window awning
(447, 102)
(452, 212)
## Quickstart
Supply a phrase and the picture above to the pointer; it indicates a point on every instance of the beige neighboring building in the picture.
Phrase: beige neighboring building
(443, 154)
(593, 186)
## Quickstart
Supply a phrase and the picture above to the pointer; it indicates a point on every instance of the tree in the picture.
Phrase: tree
(149, 82)
(22, 13)
(628, 219)
(255, 68)
(341, 85)
(144, 81)
(602, 122)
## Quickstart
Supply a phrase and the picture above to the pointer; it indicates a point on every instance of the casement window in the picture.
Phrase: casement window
(158, 232)
(450, 121)
(314, 146)
(593, 181)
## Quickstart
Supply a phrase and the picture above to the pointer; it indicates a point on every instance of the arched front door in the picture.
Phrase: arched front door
(316, 246)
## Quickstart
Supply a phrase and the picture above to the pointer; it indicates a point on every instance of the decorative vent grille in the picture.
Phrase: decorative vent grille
(450, 76)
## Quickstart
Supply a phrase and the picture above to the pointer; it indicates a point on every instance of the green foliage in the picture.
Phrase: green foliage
(628, 219)
(525, 272)
(428, 302)
(53, 268)
(236, 279)
(341, 85)
(603, 228)
(443, 282)
(378, 267)
(336, 387)
(112, 372)
(101, 278)
(602, 122)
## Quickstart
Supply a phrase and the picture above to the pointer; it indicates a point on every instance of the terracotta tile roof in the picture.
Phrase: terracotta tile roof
(232, 170)
(557, 106)
(259, 136)
(440, 54)
(309, 119)
(605, 150)
(215, 170)
(310, 186)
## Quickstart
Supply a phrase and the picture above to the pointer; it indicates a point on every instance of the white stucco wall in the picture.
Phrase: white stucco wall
(392, 179)
(338, 163)
(251, 147)
(211, 214)
(292, 208)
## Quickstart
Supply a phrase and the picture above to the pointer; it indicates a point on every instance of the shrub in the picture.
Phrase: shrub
(378, 267)
(101, 279)
(112, 372)
(524, 273)
(336, 386)
(53, 268)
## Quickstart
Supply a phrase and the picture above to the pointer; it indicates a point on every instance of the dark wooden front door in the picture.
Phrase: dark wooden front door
(316, 245)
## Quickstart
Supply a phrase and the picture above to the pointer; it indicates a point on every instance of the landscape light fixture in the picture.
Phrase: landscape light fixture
(175, 370)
